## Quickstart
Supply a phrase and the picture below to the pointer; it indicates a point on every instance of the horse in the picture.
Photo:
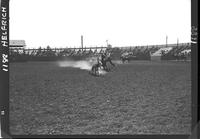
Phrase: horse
(125, 58)
(104, 60)
(101, 64)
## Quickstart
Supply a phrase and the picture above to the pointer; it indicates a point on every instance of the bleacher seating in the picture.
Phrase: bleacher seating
(178, 53)
(139, 52)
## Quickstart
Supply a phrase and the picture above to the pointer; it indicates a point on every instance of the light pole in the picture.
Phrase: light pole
(107, 42)
(82, 42)
(177, 41)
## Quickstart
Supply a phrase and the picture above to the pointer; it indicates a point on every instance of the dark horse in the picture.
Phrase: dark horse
(125, 58)
(104, 60)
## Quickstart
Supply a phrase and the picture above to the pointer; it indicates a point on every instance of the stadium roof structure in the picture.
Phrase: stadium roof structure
(17, 43)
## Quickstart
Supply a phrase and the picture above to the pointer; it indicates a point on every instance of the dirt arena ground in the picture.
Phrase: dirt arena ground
(141, 97)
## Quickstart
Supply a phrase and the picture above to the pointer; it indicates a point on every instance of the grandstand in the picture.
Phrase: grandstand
(17, 50)
(17, 45)
(178, 52)
(151, 52)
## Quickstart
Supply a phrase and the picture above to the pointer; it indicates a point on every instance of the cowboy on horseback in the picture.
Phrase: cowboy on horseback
(105, 57)
(102, 63)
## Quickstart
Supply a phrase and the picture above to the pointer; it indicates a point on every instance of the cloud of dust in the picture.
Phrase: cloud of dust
(85, 65)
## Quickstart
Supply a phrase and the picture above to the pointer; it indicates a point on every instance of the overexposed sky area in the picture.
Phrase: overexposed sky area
(60, 23)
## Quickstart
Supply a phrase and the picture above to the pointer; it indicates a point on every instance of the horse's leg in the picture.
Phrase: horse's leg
(106, 67)
(95, 71)
(122, 59)
(111, 62)
(92, 70)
